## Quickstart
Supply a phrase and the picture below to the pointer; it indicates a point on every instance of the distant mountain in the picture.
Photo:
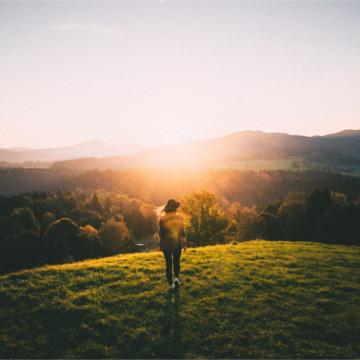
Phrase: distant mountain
(246, 149)
(19, 148)
(91, 148)
(235, 150)
(346, 133)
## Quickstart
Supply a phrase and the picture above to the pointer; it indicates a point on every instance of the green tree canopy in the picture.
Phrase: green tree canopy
(115, 238)
(23, 219)
(62, 239)
(206, 224)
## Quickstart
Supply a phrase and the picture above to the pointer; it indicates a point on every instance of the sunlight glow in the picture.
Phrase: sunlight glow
(169, 72)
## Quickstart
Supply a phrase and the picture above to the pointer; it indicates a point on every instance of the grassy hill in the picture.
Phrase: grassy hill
(255, 299)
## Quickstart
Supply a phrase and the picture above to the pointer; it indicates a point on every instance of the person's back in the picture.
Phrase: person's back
(171, 230)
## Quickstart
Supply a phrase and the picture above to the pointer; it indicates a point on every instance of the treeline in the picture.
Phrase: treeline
(157, 185)
(49, 228)
(323, 216)
(41, 228)
(246, 187)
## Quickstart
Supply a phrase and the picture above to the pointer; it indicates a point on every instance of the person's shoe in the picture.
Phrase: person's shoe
(177, 282)
(171, 286)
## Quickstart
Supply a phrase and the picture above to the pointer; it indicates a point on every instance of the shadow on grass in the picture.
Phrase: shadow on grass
(171, 344)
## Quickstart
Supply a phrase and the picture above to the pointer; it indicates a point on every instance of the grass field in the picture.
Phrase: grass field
(256, 299)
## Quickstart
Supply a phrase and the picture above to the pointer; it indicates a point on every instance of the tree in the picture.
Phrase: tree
(115, 238)
(140, 218)
(89, 243)
(294, 217)
(95, 204)
(23, 219)
(207, 224)
(269, 227)
(340, 225)
(46, 219)
(20, 251)
(27, 250)
(317, 204)
(62, 239)
(87, 217)
(244, 218)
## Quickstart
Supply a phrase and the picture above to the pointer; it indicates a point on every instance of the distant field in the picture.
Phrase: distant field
(288, 164)
(258, 299)
(257, 165)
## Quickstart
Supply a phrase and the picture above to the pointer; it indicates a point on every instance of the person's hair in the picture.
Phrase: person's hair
(171, 206)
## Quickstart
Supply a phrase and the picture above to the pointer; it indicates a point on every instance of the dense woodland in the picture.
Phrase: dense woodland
(38, 228)
(105, 213)
(157, 185)
(323, 216)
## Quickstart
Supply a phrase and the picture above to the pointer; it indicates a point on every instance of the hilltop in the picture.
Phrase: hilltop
(346, 133)
(253, 300)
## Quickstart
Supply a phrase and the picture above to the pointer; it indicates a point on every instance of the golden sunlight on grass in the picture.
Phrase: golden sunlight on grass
(258, 299)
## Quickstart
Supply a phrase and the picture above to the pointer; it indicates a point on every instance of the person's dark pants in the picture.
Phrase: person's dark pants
(172, 259)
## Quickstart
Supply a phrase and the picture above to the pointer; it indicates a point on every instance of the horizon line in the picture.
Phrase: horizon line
(153, 145)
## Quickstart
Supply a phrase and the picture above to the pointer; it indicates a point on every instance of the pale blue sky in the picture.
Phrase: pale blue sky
(158, 72)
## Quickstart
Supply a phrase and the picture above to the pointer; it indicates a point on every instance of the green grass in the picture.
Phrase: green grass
(257, 299)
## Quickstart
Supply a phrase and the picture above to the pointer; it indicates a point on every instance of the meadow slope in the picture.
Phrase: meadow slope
(256, 299)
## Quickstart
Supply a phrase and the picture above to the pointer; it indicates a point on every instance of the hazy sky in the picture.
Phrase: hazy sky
(156, 72)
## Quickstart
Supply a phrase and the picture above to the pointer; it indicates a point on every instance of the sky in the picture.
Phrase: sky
(162, 72)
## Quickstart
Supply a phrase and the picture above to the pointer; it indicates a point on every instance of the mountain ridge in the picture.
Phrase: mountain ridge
(92, 147)
(337, 149)
(346, 133)
(235, 148)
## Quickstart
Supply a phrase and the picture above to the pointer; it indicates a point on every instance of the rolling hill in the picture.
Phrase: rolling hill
(346, 133)
(247, 149)
(242, 150)
(256, 299)
(97, 148)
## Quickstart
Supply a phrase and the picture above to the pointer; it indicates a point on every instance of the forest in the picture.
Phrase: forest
(157, 185)
(105, 213)
(42, 228)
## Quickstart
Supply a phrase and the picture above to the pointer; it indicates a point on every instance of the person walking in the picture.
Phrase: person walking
(172, 241)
